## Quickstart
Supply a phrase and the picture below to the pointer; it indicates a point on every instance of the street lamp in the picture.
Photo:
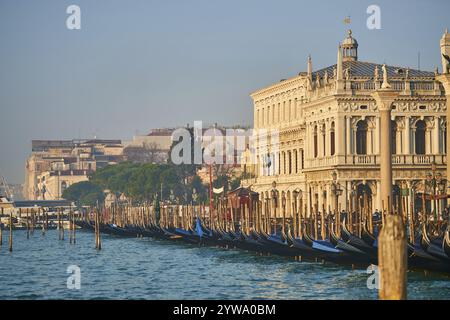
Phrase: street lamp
(171, 197)
(337, 191)
(297, 193)
(274, 194)
(194, 196)
(435, 183)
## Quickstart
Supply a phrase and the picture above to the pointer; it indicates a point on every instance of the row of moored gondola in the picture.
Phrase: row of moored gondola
(425, 253)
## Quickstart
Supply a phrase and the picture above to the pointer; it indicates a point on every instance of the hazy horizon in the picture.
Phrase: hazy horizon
(139, 65)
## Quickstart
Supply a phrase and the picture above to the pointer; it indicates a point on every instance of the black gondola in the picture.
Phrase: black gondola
(303, 250)
(357, 256)
(446, 242)
(435, 248)
(357, 242)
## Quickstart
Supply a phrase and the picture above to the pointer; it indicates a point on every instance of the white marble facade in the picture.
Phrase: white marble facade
(328, 122)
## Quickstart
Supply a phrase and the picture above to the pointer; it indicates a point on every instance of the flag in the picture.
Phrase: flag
(218, 190)
(347, 20)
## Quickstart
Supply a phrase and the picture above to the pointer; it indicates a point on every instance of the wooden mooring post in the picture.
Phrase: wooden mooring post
(98, 243)
(74, 226)
(392, 259)
(28, 224)
(10, 232)
(1, 232)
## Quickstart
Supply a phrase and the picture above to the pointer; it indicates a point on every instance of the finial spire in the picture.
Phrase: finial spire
(339, 64)
(309, 66)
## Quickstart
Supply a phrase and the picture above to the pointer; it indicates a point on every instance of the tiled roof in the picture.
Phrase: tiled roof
(367, 69)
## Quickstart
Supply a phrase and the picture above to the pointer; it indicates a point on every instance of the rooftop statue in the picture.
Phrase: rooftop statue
(385, 84)
(447, 66)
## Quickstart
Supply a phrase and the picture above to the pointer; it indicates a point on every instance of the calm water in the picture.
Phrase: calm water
(154, 269)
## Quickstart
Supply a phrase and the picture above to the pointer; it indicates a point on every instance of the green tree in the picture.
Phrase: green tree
(84, 193)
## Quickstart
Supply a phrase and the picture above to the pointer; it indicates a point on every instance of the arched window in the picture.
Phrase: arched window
(296, 161)
(290, 162)
(421, 127)
(394, 137)
(262, 117)
(443, 139)
(361, 137)
(257, 119)
(324, 141)
(315, 142)
(332, 142)
(279, 163)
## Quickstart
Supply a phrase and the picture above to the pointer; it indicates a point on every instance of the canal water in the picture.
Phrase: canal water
(155, 269)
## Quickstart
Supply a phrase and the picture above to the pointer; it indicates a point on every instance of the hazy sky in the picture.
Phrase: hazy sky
(141, 64)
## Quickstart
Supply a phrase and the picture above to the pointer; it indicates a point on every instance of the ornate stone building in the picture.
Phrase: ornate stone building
(325, 130)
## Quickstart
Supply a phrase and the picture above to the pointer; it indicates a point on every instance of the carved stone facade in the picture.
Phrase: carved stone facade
(327, 122)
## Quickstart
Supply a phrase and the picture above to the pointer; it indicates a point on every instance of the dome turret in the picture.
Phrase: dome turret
(350, 48)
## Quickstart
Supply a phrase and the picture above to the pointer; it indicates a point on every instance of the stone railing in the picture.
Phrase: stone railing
(374, 160)
(415, 86)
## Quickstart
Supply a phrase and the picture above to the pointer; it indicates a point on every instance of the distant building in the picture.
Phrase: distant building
(151, 148)
(231, 142)
(54, 165)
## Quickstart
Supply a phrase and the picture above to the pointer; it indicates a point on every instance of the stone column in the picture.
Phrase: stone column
(378, 198)
(348, 149)
(406, 148)
(398, 141)
(370, 131)
(428, 140)
(339, 136)
(306, 142)
(348, 190)
(384, 98)
(436, 136)
(320, 145)
(320, 197)
(445, 80)
(329, 203)
(327, 144)
(377, 135)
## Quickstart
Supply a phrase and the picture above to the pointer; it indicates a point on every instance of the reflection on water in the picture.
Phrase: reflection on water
(154, 269)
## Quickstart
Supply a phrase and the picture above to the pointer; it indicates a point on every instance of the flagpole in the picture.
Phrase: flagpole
(210, 194)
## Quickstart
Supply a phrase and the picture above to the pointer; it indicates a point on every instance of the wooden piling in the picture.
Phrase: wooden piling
(98, 243)
(10, 232)
(70, 225)
(392, 259)
(28, 225)
(32, 221)
(74, 229)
